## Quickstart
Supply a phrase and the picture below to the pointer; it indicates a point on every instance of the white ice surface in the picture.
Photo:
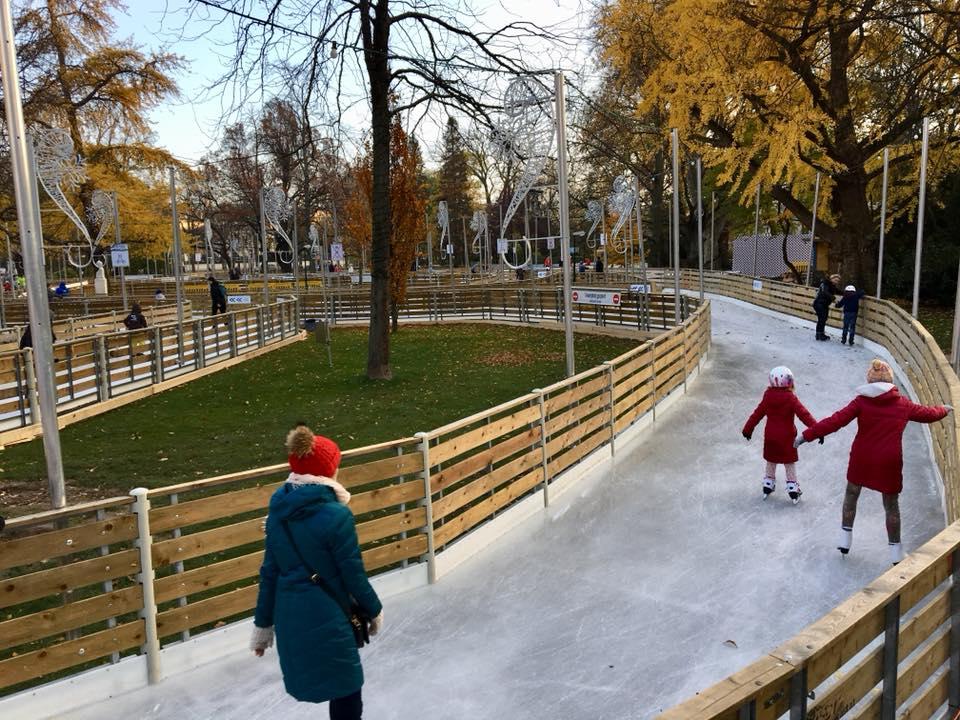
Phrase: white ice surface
(619, 601)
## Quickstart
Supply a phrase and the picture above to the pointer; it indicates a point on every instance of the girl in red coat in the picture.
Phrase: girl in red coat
(876, 458)
(780, 405)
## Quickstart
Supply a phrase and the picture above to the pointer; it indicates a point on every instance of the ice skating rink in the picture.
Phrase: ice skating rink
(653, 579)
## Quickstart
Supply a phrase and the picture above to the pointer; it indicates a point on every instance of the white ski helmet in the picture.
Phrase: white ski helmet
(781, 376)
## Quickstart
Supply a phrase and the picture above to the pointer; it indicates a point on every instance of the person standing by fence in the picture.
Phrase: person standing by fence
(311, 570)
(218, 296)
(823, 301)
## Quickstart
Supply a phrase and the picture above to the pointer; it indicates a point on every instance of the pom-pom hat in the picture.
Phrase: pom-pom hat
(311, 454)
(879, 371)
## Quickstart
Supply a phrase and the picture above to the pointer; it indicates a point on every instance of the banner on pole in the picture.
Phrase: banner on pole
(551, 243)
(336, 252)
(120, 255)
(757, 285)
(640, 288)
(238, 300)
(603, 239)
(449, 249)
(586, 296)
(501, 246)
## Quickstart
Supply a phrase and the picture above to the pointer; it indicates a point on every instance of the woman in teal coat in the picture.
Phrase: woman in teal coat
(318, 653)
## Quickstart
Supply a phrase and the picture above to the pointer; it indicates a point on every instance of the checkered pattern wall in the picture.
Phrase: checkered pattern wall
(769, 253)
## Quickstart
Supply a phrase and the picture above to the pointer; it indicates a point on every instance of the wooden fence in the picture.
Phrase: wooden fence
(73, 590)
(892, 649)
(95, 372)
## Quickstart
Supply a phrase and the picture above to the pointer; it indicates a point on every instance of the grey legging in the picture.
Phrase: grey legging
(891, 504)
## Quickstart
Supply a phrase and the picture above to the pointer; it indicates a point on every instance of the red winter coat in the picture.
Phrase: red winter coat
(779, 405)
(876, 458)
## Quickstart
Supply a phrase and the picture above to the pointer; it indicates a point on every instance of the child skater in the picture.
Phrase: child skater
(780, 405)
(850, 302)
(876, 458)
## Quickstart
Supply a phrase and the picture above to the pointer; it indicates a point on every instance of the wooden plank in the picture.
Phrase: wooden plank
(394, 552)
(452, 474)
(922, 666)
(407, 521)
(206, 577)
(386, 469)
(577, 434)
(466, 494)
(206, 611)
(180, 515)
(196, 544)
(38, 663)
(457, 526)
(16, 590)
(561, 462)
(926, 704)
(52, 621)
(469, 440)
(50, 516)
(388, 496)
(578, 413)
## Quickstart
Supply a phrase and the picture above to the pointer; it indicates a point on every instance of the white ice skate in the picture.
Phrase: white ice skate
(794, 491)
(896, 552)
(845, 540)
(769, 485)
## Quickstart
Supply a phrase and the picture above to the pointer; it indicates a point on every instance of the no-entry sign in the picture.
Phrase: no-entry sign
(586, 296)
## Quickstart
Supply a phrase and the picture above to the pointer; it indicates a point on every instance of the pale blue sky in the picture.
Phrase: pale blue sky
(187, 127)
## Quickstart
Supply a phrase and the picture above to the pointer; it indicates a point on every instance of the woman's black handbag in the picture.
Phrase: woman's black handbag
(358, 618)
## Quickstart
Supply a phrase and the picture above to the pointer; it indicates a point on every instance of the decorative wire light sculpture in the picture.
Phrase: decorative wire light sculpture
(443, 221)
(208, 242)
(58, 167)
(276, 208)
(314, 236)
(594, 215)
(622, 200)
(526, 133)
(478, 223)
(101, 213)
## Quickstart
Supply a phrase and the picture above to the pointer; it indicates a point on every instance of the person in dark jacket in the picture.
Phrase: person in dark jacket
(598, 267)
(876, 457)
(218, 296)
(26, 340)
(135, 320)
(850, 302)
(315, 642)
(821, 303)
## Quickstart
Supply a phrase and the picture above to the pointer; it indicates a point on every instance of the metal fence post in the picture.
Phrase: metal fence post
(954, 667)
(157, 354)
(613, 410)
(260, 328)
(424, 439)
(199, 351)
(144, 542)
(232, 329)
(891, 653)
(545, 457)
(102, 366)
(798, 695)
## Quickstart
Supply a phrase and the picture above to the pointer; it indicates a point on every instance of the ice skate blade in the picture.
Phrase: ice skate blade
(843, 551)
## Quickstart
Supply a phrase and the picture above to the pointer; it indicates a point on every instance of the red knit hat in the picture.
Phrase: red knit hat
(312, 454)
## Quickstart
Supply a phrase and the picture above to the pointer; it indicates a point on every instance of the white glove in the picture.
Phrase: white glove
(376, 624)
(949, 408)
(798, 441)
(261, 639)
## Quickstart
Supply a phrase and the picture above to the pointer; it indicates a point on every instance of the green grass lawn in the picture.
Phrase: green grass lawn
(236, 419)
(937, 319)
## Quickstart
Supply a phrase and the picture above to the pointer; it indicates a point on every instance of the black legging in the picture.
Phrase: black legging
(347, 708)
(823, 312)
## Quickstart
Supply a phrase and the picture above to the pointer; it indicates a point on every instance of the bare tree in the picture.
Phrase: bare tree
(408, 57)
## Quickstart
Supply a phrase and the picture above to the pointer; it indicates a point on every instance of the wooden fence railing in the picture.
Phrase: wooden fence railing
(94, 370)
(892, 649)
(72, 593)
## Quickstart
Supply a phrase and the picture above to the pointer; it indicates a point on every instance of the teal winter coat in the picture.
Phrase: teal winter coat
(315, 643)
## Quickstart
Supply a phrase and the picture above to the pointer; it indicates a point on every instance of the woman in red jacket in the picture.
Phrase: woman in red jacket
(780, 405)
(876, 458)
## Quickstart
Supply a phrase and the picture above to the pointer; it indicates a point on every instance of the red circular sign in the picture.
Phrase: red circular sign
(616, 299)
(576, 295)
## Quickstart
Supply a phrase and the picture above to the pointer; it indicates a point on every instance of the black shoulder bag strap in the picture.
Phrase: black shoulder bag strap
(315, 576)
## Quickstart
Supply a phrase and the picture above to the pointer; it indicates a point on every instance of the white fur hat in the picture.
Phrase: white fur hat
(849, 288)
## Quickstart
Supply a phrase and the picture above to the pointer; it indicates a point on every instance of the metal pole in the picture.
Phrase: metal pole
(263, 245)
(675, 142)
(955, 355)
(116, 234)
(643, 255)
(564, 217)
(177, 259)
(296, 257)
(466, 255)
(700, 226)
(713, 211)
(756, 231)
(920, 209)
(31, 248)
(883, 220)
(813, 228)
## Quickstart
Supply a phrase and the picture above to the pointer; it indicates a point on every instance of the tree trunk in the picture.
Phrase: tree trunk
(854, 253)
(375, 32)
